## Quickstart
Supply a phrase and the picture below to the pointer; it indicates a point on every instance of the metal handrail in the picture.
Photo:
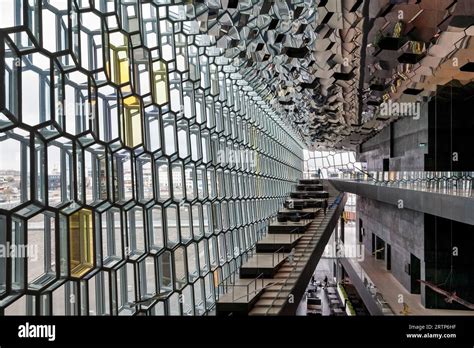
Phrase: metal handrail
(277, 252)
(262, 288)
(293, 268)
(461, 183)
(292, 234)
(229, 281)
(359, 270)
(367, 173)
(326, 217)
(247, 286)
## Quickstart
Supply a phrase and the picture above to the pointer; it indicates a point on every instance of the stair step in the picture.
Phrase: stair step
(288, 272)
(274, 294)
(288, 280)
(269, 302)
(279, 287)
(264, 311)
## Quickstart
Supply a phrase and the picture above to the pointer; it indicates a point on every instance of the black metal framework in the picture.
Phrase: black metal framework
(137, 165)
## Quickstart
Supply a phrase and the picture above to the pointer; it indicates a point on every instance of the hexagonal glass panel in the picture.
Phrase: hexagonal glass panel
(81, 243)
(41, 249)
(111, 229)
(135, 232)
(172, 226)
(15, 173)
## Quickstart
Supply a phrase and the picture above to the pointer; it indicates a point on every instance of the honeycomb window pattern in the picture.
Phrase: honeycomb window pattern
(137, 165)
(330, 164)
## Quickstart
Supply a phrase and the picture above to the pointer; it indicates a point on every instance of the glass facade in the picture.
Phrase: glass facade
(330, 164)
(137, 164)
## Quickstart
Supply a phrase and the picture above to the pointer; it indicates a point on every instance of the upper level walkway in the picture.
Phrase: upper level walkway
(447, 198)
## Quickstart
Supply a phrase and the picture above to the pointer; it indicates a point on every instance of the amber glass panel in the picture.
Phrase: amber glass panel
(160, 83)
(119, 66)
(131, 122)
(81, 247)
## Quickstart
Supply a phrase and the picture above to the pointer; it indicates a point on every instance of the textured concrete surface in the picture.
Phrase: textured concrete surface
(408, 134)
(403, 229)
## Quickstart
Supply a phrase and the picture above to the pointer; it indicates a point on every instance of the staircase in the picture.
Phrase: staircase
(286, 252)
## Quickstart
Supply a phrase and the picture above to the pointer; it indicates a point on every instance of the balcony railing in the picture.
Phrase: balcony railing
(455, 183)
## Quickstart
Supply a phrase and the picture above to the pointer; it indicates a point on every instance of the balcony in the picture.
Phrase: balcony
(445, 194)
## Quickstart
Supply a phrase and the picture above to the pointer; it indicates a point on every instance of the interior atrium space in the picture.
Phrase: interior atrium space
(228, 158)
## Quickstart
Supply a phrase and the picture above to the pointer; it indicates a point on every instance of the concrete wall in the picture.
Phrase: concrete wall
(442, 128)
(403, 229)
(450, 131)
(375, 149)
(407, 153)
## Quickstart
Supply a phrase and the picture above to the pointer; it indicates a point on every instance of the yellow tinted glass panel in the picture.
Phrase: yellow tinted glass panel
(81, 247)
(131, 122)
(119, 67)
(160, 83)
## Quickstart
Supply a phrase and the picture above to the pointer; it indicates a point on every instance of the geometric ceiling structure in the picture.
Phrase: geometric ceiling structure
(302, 56)
(413, 48)
(326, 66)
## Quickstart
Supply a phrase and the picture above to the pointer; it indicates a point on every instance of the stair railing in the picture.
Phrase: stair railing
(277, 253)
(300, 261)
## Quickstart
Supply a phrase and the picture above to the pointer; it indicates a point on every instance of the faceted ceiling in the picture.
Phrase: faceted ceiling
(326, 65)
